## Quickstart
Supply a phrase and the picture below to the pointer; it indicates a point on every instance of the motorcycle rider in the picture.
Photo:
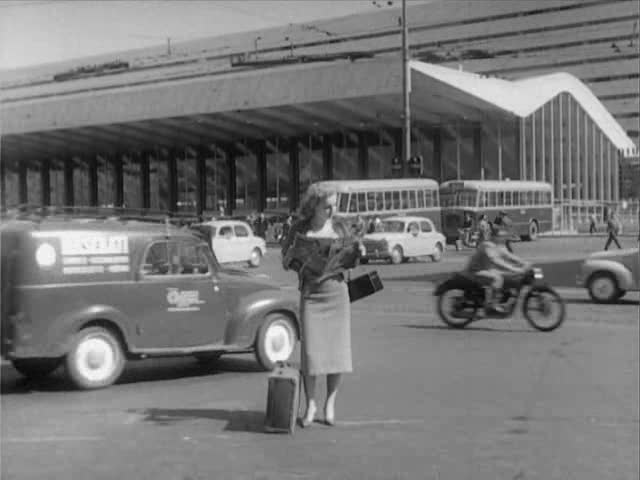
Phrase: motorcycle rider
(488, 265)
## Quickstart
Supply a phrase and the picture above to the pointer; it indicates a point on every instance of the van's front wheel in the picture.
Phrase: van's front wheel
(36, 368)
(95, 359)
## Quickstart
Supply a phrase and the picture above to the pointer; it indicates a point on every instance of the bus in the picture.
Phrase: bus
(528, 204)
(386, 198)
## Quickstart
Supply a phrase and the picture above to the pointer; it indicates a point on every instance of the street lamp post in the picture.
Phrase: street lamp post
(406, 91)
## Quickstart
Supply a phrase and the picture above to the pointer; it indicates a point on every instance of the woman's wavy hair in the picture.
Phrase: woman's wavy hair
(315, 194)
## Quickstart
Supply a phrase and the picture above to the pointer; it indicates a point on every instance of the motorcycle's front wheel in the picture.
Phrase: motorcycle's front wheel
(455, 309)
(543, 308)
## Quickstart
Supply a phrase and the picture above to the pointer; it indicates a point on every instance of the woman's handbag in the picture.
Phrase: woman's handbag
(364, 285)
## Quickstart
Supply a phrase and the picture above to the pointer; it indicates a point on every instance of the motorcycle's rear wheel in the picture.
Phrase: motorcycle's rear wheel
(447, 304)
(542, 299)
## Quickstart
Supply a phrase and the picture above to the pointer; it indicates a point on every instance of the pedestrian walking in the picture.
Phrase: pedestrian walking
(325, 310)
(484, 229)
(613, 229)
(592, 223)
(505, 225)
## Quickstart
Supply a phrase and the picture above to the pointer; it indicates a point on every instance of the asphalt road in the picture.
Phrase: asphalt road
(494, 401)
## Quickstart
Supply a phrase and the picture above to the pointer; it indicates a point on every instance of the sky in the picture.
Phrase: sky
(34, 32)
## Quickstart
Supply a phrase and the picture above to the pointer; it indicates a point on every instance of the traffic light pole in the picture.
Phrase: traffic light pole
(406, 90)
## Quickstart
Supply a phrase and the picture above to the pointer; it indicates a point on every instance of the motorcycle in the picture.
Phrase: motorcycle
(461, 300)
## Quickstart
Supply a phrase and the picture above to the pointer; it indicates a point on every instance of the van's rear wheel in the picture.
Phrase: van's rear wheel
(36, 368)
(95, 359)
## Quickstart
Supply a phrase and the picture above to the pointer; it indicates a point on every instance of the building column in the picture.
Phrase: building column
(534, 152)
(477, 148)
(499, 150)
(145, 179)
(118, 173)
(616, 177)
(363, 155)
(294, 173)
(543, 146)
(327, 156)
(231, 179)
(201, 181)
(569, 159)
(519, 147)
(398, 160)
(68, 182)
(3, 185)
(172, 173)
(93, 180)
(23, 195)
(45, 182)
(261, 161)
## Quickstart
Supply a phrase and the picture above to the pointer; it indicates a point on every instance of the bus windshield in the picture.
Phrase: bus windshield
(393, 226)
(462, 198)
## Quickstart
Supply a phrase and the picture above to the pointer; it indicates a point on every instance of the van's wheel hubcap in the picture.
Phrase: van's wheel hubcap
(278, 341)
(96, 359)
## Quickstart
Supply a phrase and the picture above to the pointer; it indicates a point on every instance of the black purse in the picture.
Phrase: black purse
(364, 285)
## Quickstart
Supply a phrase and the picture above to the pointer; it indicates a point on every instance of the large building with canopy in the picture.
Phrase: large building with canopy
(247, 127)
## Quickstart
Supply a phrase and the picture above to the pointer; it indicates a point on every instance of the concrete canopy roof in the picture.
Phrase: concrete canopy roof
(105, 116)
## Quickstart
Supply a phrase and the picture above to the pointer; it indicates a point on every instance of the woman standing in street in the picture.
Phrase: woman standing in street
(325, 310)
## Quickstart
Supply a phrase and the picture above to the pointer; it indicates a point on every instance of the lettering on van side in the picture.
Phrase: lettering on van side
(183, 300)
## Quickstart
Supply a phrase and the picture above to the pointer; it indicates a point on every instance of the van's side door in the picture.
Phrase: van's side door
(178, 302)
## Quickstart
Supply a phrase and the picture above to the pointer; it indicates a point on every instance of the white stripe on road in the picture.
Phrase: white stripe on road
(49, 439)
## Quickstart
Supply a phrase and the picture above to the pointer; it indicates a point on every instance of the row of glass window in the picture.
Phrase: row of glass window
(473, 198)
(372, 202)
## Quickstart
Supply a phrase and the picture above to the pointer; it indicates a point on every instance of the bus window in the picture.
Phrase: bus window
(436, 198)
(500, 199)
(492, 201)
(482, 199)
(507, 199)
(371, 201)
(420, 194)
(396, 200)
(343, 203)
(362, 202)
(412, 199)
(379, 201)
(547, 198)
(388, 202)
(404, 200)
(353, 204)
(428, 199)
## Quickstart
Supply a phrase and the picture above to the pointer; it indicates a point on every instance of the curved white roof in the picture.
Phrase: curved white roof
(382, 184)
(523, 97)
(500, 185)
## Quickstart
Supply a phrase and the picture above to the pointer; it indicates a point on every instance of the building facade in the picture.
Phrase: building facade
(249, 129)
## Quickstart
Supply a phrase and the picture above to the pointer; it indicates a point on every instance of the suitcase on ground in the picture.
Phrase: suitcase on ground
(283, 399)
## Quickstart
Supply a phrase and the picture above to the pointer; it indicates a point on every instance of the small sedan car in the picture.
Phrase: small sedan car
(92, 294)
(233, 241)
(402, 238)
(608, 275)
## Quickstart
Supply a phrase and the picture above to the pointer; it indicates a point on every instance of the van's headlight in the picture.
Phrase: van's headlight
(46, 255)
(537, 273)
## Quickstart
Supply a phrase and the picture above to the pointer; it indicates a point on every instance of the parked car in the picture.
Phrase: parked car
(92, 294)
(608, 275)
(402, 238)
(233, 241)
